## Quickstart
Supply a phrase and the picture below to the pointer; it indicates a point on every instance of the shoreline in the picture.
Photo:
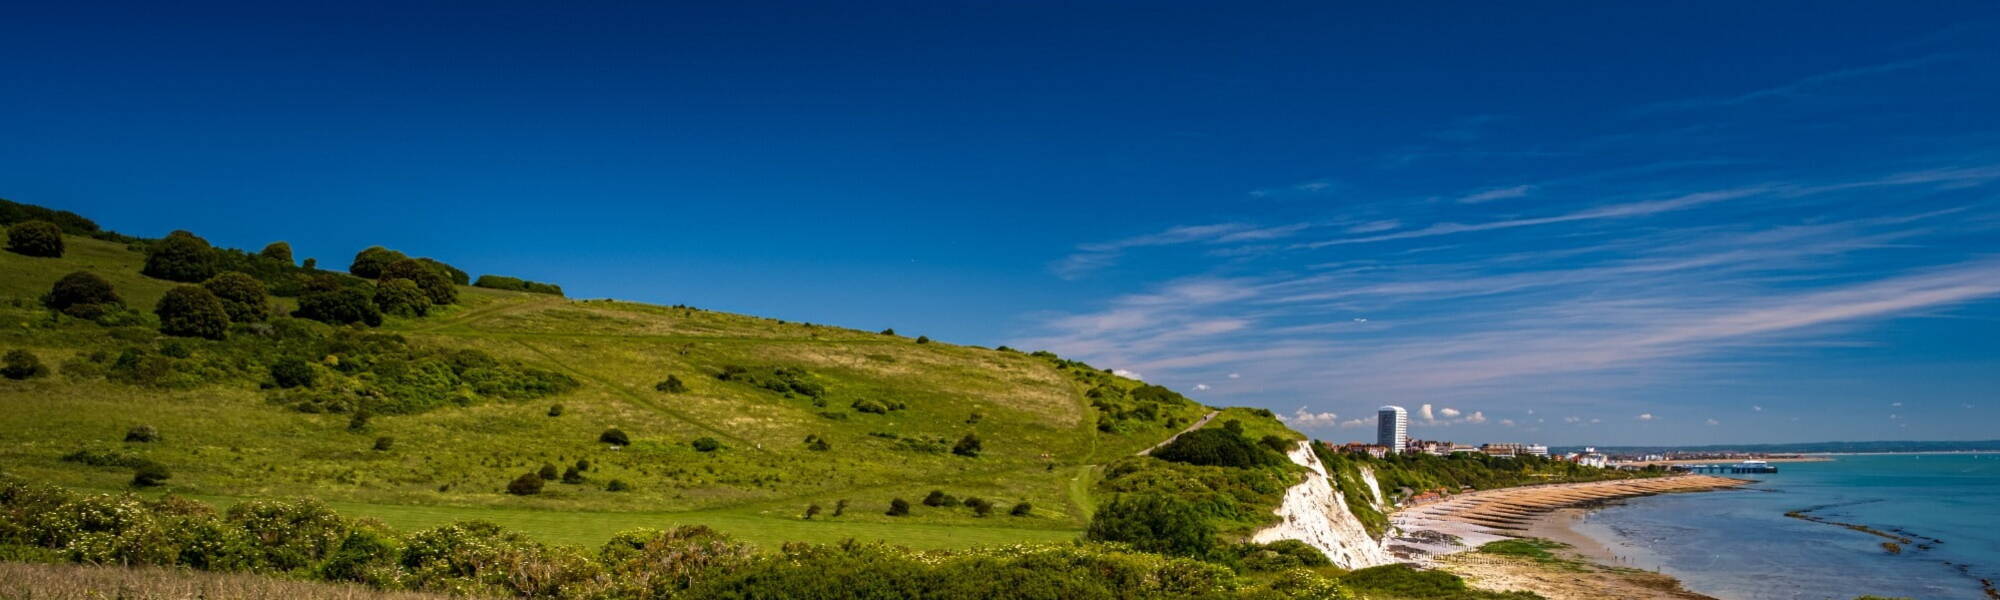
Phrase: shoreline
(1447, 535)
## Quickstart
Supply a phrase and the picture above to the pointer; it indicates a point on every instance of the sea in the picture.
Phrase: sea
(1740, 545)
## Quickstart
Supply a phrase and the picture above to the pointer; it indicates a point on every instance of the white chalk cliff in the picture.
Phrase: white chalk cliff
(1314, 512)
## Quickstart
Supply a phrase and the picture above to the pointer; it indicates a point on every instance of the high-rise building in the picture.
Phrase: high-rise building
(1392, 428)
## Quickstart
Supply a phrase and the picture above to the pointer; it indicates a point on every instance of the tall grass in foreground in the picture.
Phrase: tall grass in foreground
(21, 581)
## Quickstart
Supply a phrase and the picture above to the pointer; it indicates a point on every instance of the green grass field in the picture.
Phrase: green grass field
(224, 440)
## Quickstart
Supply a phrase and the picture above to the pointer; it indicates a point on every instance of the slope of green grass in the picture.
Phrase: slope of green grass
(1041, 436)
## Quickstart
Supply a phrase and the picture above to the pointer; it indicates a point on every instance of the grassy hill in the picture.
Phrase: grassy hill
(885, 413)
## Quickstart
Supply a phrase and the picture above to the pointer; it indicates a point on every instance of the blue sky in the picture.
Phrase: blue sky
(1550, 222)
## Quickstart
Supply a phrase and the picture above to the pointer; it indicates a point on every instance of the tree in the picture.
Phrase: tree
(370, 262)
(1153, 523)
(922, 339)
(182, 257)
(889, 331)
(339, 307)
(548, 471)
(292, 372)
(278, 251)
(527, 484)
(614, 437)
(449, 272)
(812, 510)
(35, 238)
(82, 294)
(898, 507)
(1021, 510)
(22, 364)
(401, 297)
(980, 506)
(310, 263)
(968, 446)
(572, 476)
(149, 474)
(191, 311)
(671, 385)
(1216, 448)
(241, 295)
(937, 498)
(436, 285)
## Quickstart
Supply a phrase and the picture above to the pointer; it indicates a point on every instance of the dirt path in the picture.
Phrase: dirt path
(1197, 425)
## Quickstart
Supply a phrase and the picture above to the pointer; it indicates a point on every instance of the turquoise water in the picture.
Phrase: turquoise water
(1739, 545)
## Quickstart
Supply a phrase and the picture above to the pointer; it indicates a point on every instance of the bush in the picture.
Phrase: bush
(401, 297)
(278, 251)
(1021, 510)
(1153, 523)
(572, 476)
(35, 238)
(980, 506)
(294, 372)
(968, 446)
(142, 434)
(370, 262)
(812, 510)
(547, 472)
(614, 437)
(22, 364)
(870, 406)
(242, 296)
(1404, 581)
(555, 410)
(817, 444)
(437, 286)
(840, 507)
(339, 307)
(182, 257)
(617, 485)
(671, 385)
(706, 444)
(150, 474)
(938, 498)
(359, 422)
(498, 282)
(1217, 447)
(582, 464)
(525, 485)
(82, 294)
(449, 272)
(898, 507)
(384, 443)
(192, 311)
(1276, 444)
(923, 339)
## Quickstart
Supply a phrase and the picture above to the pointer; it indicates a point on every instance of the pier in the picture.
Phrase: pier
(1748, 466)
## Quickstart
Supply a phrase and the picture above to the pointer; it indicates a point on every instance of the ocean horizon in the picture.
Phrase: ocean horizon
(1741, 545)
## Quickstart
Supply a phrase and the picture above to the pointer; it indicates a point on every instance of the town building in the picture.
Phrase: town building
(1392, 428)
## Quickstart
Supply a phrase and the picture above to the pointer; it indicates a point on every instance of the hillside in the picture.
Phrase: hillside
(882, 417)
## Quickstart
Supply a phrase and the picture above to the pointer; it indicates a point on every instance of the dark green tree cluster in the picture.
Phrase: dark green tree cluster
(181, 256)
(71, 223)
(192, 311)
(83, 295)
(21, 364)
(402, 297)
(277, 251)
(1218, 447)
(35, 238)
(343, 306)
(242, 296)
(370, 262)
(516, 284)
(435, 284)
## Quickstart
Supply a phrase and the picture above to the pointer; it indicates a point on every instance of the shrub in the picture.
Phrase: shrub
(572, 476)
(980, 506)
(582, 464)
(555, 410)
(401, 297)
(1276, 444)
(617, 485)
(370, 262)
(242, 296)
(870, 406)
(525, 485)
(150, 474)
(1216, 447)
(82, 294)
(310, 263)
(35, 238)
(1021, 510)
(278, 251)
(898, 507)
(938, 498)
(614, 437)
(889, 331)
(293, 372)
(1153, 523)
(671, 385)
(192, 311)
(449, 272)
(437, 286)
(923, 339)
(182, 257)
(812, 510)
(817, 444)
(142, 434)
(384, 443)
(359, 422)
(22, 364)
(1404, 581)
(968, 446)
(706, 444)
(498, 282)
(840, 507)
(547, 472)
(339, 307)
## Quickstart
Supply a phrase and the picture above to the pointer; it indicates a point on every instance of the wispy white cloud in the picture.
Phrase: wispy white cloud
(1796, 87)
(1496, 194)
(1100, 255)
(1613, 211)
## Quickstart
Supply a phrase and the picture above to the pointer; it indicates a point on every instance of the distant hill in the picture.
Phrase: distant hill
(1806, 447)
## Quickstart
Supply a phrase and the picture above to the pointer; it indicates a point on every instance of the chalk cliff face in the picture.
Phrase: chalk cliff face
(1314, 512)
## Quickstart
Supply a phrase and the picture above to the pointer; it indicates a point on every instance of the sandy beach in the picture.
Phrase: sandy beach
(1442, 533)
